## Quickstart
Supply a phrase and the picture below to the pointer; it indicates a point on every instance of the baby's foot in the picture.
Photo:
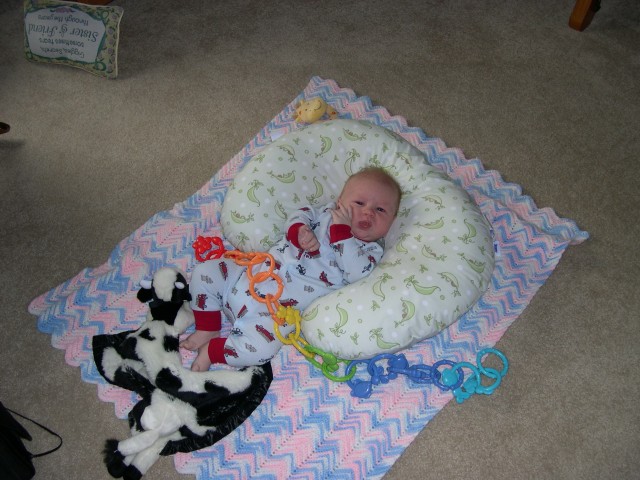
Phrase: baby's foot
(202, 361)
(197, 339)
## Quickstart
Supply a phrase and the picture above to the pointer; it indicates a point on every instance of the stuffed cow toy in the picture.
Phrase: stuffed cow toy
(179, 410)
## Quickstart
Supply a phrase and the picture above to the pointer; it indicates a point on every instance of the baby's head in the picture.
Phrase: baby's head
(373, 196)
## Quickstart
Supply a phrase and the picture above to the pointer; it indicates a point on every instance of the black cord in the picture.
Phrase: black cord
(44, 428)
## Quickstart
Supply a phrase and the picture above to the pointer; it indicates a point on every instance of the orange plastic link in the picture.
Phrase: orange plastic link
(251, 259)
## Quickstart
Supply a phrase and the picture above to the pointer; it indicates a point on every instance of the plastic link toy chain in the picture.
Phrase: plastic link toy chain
(449, 379)
(281, 314)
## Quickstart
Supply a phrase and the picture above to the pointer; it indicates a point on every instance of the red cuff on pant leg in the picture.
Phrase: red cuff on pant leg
(216, 350)
(208, 321)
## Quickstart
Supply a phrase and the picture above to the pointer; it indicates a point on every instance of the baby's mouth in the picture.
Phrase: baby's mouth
(364, 225)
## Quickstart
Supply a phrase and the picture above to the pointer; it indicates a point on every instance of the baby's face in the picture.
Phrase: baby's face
(373, 207)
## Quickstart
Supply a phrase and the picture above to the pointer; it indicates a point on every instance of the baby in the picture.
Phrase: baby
(323, 250)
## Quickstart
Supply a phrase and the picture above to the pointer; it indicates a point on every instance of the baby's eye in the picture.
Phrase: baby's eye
(358, 202)
(381, 210)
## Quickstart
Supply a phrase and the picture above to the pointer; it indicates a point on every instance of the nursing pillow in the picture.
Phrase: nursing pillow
(438, 254)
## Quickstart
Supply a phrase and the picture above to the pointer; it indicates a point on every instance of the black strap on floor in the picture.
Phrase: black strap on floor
(35, 455)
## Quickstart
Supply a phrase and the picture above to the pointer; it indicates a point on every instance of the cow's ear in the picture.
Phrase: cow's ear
(184, 294)
(145, 294)
(182, 288)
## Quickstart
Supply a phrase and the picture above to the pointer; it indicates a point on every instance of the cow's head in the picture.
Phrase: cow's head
(165, 294)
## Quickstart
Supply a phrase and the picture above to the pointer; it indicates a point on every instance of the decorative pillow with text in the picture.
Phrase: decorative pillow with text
(73, 34)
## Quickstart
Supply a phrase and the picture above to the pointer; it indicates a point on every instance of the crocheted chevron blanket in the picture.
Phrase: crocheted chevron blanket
(308, 426)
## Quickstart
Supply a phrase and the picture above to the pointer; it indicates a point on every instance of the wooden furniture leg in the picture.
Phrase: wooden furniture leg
(582, 14)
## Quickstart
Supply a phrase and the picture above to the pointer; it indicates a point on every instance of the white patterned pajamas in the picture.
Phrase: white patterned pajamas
(222, 287)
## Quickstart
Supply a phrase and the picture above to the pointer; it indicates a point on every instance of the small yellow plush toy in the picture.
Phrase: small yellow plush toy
(310, 111)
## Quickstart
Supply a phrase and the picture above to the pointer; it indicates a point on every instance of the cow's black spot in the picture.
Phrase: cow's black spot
(167, 381)
(146, 334)
(171, 344)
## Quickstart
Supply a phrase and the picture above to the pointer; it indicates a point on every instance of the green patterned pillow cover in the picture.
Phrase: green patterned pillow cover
(439, 253)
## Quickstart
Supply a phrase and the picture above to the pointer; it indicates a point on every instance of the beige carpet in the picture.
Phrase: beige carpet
(87, 161)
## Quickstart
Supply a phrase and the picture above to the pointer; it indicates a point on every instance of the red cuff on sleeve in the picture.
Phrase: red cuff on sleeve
(292, 233)
(339, 232)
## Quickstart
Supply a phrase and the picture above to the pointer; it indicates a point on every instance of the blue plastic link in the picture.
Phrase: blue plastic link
(451, 378)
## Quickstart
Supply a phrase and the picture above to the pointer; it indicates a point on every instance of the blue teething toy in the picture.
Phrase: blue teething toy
(450, 378)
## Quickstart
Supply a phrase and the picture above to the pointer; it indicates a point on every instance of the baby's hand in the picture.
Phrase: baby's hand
(307, 239)
(341, 215)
